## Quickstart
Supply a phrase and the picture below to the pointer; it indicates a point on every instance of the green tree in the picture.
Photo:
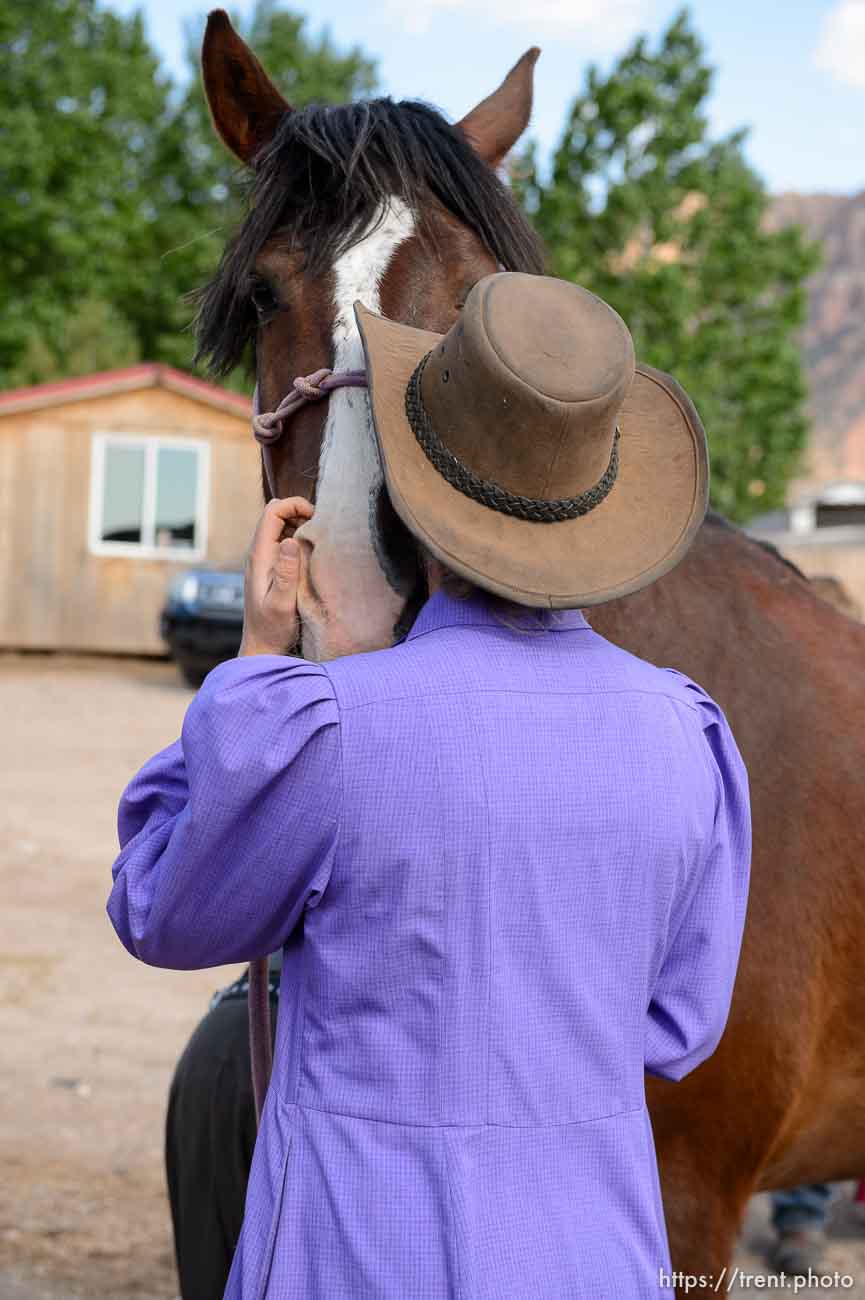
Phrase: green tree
(82, 103)
(641, 207)
(93, 337)
(115, 188)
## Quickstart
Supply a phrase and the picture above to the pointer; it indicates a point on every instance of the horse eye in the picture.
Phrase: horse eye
(264, 300)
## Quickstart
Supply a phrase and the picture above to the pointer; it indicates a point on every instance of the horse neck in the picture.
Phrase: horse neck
(731, 611)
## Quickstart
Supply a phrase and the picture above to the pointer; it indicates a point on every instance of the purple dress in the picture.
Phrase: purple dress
(510, 872)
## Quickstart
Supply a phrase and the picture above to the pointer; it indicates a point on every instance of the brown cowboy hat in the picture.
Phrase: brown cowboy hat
(526, 450)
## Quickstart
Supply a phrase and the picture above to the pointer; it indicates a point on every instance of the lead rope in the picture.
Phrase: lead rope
(260, 1044)
(267, 428)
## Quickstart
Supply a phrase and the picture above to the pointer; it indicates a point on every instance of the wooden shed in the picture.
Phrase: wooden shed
(111, 485)
(822, 528)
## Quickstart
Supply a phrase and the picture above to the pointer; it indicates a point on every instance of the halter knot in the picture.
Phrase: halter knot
(310, 386)
(269, 426)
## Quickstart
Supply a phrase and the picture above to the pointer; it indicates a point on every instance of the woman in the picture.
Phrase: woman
(507, 861)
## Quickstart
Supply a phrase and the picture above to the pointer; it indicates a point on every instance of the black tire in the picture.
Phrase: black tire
(209, 1140)
(192, 671)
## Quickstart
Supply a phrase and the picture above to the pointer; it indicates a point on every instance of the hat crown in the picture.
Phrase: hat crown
(526, 387)
(526, 450)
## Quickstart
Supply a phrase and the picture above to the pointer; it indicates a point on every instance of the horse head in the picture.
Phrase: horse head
(378, 201)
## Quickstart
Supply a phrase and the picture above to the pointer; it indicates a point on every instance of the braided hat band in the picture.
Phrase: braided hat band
(491, 494)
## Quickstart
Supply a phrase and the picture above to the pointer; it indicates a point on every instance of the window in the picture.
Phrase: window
(148, 497)
(841, 505)
(835, 505)
(831, 515)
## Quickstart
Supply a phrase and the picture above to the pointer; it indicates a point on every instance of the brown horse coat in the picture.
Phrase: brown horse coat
(782, 1100)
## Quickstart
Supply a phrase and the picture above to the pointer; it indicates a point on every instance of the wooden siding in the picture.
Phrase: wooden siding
(54, 593)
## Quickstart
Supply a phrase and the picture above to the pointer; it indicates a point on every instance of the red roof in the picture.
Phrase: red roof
(148, 374)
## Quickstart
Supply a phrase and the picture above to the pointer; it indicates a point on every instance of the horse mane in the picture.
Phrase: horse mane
(716, 520)
(322, 181)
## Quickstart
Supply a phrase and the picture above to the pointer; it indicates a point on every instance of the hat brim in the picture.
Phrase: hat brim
(640, 531)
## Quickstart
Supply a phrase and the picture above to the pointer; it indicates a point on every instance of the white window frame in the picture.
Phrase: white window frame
(803, 515)
(147, 549)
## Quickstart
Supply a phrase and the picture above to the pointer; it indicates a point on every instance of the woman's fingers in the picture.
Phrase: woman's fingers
(277, 513)
(285, 574)
(272, 577)
(263, 552)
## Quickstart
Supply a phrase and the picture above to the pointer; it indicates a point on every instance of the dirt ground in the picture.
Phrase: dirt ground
(90, 1035)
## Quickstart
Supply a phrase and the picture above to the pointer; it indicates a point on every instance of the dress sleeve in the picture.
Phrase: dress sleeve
(693, 990)
(229, 833)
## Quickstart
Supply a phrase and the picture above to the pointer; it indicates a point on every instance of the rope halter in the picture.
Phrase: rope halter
(269, 426)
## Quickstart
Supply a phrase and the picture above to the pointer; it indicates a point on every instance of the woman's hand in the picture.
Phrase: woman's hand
(270, 623)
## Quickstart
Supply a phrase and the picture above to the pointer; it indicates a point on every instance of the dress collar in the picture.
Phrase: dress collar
(445, 610)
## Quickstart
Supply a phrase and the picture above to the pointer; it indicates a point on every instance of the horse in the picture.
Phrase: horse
(388, 203)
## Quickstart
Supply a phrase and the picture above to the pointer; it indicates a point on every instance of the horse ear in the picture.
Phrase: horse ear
(244, 103)
(494, 127)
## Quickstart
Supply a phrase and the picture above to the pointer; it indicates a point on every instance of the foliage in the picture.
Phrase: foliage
(668, 226)
(82, 105)
(91, 338)
(115, 187)
(118, 199)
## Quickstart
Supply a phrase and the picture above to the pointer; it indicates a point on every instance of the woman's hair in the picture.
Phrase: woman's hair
(510, 613)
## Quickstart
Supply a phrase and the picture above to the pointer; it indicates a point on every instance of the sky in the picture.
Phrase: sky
(793, 71)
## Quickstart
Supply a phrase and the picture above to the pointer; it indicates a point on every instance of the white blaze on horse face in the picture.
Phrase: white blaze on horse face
(360, 606)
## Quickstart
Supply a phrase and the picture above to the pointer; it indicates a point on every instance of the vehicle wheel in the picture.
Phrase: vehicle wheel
(192, 672)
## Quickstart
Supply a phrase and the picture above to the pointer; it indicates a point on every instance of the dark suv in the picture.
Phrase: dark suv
(202, 620)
